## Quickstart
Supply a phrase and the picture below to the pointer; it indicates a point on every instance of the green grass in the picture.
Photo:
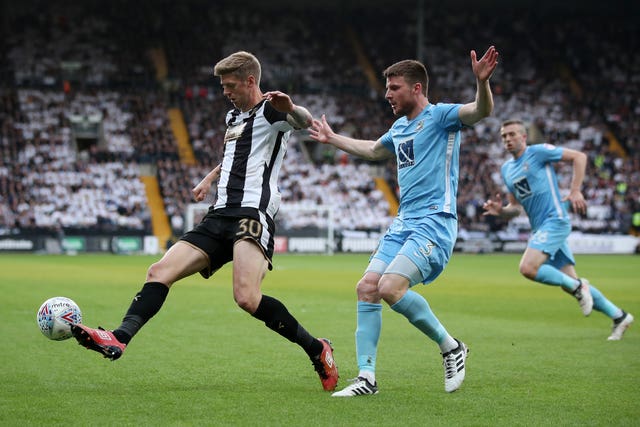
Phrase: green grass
(535, 360)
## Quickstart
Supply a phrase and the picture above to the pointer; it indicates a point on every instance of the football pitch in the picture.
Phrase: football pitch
(534, 360)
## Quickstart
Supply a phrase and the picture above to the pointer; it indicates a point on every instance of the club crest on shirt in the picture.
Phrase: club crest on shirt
(420, 125)
(406, 156)
(234, 132)
(521, 187)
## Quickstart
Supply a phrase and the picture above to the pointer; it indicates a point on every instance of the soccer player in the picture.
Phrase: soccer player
(417, 246)
(533, 185)
(239, 227)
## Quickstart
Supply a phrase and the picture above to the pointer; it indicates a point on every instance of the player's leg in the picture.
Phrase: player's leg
(558, 270)
(249, 268)
(369, 313)
(543, 245)
(179, 261)
(421, 259)
(547, 251)
(533, 266)
(424, 254)
(621, 319)
(394, 289)
(368, 327)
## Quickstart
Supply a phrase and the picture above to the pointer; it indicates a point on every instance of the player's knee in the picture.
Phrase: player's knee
(528, 270)
(390, 291)
(155, 272)
(367, 290)
(246, 301)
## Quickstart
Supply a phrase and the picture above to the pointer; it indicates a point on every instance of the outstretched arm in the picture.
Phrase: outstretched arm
(575, 196)
(367, 149)
(201, 190)
(494, 207)
(297, 116)
(483, 105)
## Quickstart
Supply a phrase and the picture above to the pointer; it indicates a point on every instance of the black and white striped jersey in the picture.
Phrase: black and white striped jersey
(254, 147)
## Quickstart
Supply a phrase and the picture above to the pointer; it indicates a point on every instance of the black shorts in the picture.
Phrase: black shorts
(217, 233)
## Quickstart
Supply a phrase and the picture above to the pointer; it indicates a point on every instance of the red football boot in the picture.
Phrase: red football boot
(325, 366)
(98, 340)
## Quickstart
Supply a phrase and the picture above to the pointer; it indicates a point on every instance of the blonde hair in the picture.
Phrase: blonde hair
(241, 64)
(520, 123)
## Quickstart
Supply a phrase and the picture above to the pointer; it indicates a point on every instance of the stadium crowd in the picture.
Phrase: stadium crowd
(69, 68)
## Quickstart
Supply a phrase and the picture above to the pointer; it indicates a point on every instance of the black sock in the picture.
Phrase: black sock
(144, 306)
(277, 318)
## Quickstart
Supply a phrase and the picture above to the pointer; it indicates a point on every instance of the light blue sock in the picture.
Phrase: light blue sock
(416, 309)
(367, 334)
(550, 275)
(602, 304)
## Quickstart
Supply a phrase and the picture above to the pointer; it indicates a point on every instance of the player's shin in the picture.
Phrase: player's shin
(369, 325)
(144, 306)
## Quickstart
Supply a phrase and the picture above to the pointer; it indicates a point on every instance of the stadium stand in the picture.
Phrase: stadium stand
(127, 66)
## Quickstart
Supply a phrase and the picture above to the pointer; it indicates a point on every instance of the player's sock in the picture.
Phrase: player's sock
(448, 344)
(144, 306)
(602, 304)
(550, 275)
(277, 318)
(416, 309)
(369, 324)
(368, 375)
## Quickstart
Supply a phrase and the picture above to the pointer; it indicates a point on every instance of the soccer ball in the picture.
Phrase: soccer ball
(55, 317)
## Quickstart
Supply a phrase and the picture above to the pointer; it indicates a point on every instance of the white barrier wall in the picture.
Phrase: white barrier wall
(581, 243)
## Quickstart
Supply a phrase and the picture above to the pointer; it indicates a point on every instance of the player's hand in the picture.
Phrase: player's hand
(493, 206)
(280, 101)
(320, 130)
(483, 69)
(577, 201)
(200, 191)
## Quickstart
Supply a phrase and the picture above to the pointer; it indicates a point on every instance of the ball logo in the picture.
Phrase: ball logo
(70, 316)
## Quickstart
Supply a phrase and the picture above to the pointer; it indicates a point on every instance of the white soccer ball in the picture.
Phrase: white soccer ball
(55, 317)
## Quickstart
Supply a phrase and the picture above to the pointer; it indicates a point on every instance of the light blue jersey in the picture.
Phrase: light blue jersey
(424, 233)
(420, 241)
(428, 151)
(532, 180)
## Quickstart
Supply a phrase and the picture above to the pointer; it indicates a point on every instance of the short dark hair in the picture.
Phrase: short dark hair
(411, 70)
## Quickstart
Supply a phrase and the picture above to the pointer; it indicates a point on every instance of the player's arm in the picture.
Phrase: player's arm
(297, 116)
(579, 161)
(367, 149)
(201, 190)
(482, 106)
(494, 207)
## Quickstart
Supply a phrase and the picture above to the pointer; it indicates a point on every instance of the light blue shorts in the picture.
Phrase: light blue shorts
(551, 238)
(418, 249)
